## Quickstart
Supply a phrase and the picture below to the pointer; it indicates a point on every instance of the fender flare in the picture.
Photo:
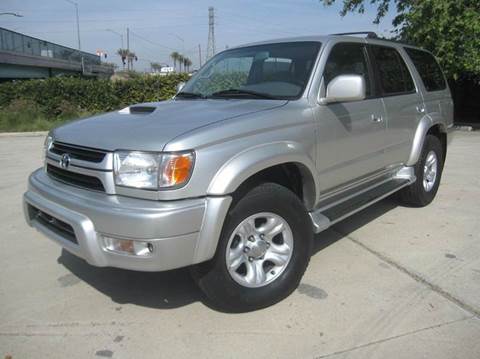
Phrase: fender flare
(424, 125)
(255, 159)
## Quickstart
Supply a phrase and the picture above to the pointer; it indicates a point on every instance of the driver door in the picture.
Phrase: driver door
(351, 135)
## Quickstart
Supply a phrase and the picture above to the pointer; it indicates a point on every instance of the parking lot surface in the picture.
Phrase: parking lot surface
(389, 282)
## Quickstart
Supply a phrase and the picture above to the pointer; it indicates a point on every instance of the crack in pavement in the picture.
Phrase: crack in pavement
(392, 338)
(415, 276)
(25, 334)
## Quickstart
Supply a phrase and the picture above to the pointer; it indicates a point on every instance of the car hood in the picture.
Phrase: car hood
(150, 126)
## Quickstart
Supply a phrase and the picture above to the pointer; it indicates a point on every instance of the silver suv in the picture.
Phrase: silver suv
(266, 145)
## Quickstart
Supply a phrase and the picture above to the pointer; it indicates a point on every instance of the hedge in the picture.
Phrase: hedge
(55, 96)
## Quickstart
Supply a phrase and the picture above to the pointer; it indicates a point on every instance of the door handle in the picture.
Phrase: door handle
(420, 109)
(377, 119)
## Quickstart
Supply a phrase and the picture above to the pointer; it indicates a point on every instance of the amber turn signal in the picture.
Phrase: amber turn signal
(176, 169)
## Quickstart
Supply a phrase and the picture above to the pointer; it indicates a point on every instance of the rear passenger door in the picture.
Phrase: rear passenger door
(403, 102)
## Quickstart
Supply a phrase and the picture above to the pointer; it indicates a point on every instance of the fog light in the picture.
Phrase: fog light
(127, 246)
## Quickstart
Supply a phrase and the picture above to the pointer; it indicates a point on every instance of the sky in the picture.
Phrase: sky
(158, 27)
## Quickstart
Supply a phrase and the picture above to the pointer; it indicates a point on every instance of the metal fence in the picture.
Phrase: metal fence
(16, 42)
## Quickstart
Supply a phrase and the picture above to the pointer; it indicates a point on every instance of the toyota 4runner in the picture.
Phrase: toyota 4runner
(265, 145)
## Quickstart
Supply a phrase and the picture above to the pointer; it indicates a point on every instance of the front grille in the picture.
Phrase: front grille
(75, 179)
(79, 153)
(54, 224)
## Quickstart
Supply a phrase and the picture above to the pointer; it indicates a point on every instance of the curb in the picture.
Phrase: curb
(24, 134)
(464, 128)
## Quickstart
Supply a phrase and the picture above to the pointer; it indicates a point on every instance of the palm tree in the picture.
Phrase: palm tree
(123, 53)
(130, 57)
(156, 66)
(189, 63)
(185, 64)
(174, 56)
(180, 62)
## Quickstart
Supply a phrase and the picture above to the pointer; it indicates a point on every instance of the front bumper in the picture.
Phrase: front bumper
(181, 233)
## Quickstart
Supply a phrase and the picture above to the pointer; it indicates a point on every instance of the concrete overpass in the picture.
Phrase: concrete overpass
(26, 57)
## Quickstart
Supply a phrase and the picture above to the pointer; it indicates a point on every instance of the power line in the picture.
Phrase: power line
(151, 42)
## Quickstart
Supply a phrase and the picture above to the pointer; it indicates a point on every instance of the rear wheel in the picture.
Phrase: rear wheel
(428, 171)
(262, 253)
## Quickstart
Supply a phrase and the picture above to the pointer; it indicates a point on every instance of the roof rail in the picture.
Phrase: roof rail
(370, 34)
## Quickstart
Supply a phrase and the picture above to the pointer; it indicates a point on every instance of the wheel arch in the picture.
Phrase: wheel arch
(427, 125)
(284, 163)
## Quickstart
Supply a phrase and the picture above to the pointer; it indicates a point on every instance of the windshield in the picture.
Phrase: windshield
(275, 71)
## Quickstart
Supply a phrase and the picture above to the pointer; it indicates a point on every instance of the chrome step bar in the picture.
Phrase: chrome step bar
(332, 212)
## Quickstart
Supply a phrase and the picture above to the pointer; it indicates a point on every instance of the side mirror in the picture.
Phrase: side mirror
(345, 88)
(180, 86)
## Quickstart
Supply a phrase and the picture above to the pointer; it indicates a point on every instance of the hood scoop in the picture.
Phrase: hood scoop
(137, 110)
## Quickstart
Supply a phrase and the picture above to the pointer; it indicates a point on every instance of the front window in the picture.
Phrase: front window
(347, 58)
(275, 71)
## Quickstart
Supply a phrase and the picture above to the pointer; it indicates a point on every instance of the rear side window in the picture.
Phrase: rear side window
(394, 77)
(428, 69)
(348, 59)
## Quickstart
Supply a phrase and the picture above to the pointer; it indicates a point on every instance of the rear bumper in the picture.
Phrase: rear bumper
(181, 232)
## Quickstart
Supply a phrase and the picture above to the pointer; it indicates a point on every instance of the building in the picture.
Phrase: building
(26, 57)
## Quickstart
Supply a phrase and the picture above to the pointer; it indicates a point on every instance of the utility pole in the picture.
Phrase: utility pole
(200, 55)
(78, 22)
(211, 33)
(78, 34)
(128, 49)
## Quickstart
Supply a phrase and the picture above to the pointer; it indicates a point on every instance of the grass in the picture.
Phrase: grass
(23, 116)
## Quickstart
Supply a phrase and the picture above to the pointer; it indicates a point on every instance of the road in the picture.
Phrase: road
(390, 282)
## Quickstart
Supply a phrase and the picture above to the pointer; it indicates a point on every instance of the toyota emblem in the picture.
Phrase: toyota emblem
(65, 160)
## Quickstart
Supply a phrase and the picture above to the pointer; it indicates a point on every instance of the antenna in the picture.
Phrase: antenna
(211, 33)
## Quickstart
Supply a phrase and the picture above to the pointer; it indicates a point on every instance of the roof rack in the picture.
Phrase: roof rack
(370, 34)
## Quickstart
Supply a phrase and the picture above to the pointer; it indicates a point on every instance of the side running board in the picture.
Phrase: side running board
(331, 213)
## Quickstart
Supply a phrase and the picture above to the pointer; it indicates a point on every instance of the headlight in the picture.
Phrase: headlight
(46, 145)
(149, 170)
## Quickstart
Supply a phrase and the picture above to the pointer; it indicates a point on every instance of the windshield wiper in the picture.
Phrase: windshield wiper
(243, 93)
(184, 94)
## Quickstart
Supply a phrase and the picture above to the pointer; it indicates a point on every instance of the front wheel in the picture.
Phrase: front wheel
(262, 253)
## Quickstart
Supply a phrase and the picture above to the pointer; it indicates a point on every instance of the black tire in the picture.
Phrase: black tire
(213, 277)
(416, 195)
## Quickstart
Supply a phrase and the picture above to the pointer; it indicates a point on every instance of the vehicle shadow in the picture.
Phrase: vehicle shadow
(350, 224)
(159, 290)
(175, 288)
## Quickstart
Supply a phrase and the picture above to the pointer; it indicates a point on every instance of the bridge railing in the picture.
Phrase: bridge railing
(16, 42)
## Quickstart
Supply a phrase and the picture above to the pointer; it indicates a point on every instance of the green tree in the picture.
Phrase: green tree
(174, 56)
(180, 61)
(189, 63)
(448, 28)
(186, 64)
(130, 58)
(156, 66)
(123, 53)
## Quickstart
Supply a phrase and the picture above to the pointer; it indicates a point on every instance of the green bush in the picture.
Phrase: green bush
(46, 103)
(26, 115)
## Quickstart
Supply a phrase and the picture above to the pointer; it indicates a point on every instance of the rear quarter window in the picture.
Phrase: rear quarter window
(428, 69)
